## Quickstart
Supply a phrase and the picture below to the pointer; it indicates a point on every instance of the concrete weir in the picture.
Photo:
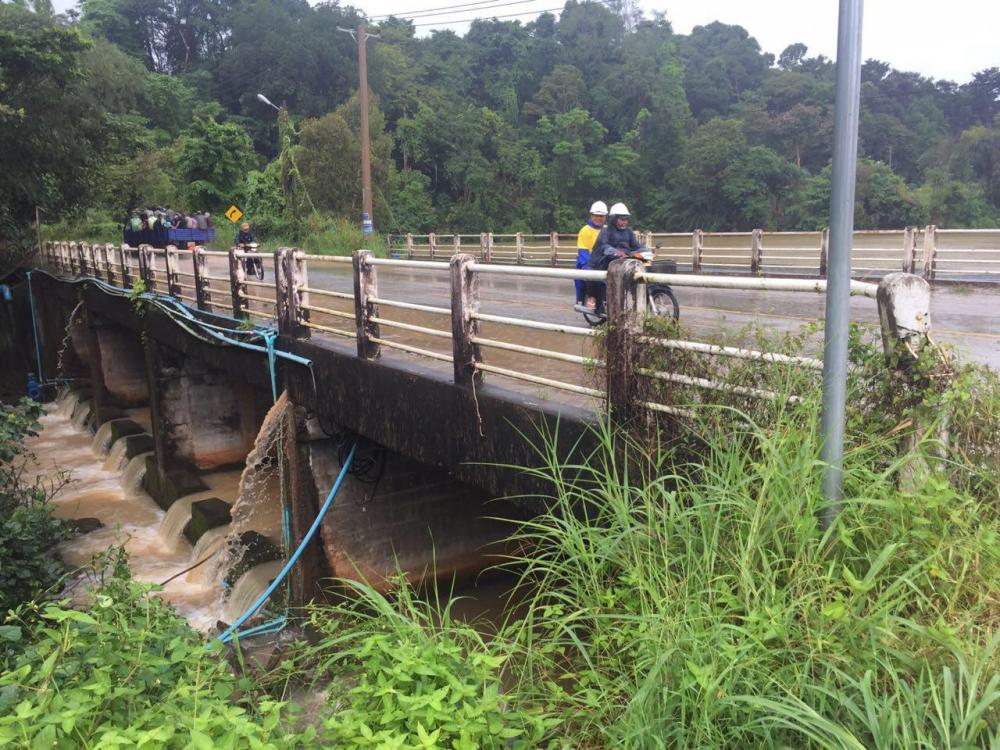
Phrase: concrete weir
(176, 408)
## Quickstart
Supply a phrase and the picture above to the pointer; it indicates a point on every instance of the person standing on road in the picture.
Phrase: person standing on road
(585, 242)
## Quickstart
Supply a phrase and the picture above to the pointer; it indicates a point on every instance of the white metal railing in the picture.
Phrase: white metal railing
(958, 254)
(300, 307)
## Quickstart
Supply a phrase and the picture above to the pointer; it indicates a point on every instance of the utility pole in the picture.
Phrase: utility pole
(838, 288)
(366, 156)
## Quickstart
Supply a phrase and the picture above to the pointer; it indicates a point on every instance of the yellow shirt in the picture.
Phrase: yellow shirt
(587, 237)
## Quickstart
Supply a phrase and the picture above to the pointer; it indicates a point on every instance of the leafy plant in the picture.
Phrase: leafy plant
(28, 534)
(404, 674)
(127, 672)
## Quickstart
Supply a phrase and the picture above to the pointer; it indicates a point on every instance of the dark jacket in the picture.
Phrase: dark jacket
(244, 239)
(610, 241)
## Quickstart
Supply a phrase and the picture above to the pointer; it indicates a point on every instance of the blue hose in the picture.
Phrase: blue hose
(34, 330)
(232, 631)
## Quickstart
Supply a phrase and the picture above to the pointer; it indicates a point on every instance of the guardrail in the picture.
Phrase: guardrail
(937, 254)
(461, 333)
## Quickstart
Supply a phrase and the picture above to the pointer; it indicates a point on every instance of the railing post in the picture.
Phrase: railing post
(91, 258)
(107, 251)
(930, 252)
(824, 251)
(482, 246)
(489, 247)
(409, 246)
(464, 325)
(81, 259)
(173, 280)
(519, 239)
(126, 271)
(366, 288)
(647, 238)
(432, 243)
(756, 250)
(554, 246)
(146, 267)
(626, 305)
(456, 242)
(202, 286)
(697, 238)
(909, 249)
(290, 278)
(237, 283)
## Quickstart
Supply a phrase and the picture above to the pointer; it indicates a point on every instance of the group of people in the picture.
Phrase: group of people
(167, 218)
(604, 237)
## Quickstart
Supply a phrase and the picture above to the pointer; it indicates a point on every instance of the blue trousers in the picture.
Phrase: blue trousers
(582, 261)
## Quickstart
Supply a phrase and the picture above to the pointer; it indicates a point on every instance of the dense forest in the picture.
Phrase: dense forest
(513, 126)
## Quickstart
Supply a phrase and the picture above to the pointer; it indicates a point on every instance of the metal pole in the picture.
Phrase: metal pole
(838, 290)
(366, 159)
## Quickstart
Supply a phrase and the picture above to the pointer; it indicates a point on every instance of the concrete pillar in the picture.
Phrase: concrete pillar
(409, 246)
(290, 279)
(697, 237)
(464, 305)
(99, 394)
(824, 251)
(432, 244)
(756, 250)
(122, 364)
(237, 283)
(904, 308)
(554, 247)
(626, 305)
(365, 288)
(414, 518)
(519, 239)
(930, 252)
(202, 284)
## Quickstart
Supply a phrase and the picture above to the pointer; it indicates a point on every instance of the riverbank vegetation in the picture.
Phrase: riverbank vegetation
(673, 594)
(512, 127)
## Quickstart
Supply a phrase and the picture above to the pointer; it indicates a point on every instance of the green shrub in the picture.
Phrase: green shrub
(92, 226)
(404, 674)
(323, 235)
(29, 563)
(127, 672)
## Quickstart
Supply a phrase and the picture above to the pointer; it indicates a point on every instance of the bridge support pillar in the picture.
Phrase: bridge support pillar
(396, 515)
(122, 366)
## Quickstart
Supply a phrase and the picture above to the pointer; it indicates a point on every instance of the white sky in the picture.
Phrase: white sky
(948, 39)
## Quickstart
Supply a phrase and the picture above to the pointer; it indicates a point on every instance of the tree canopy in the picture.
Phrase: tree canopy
(514, 125)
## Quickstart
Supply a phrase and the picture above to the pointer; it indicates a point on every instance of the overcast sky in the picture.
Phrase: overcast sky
(950, 39)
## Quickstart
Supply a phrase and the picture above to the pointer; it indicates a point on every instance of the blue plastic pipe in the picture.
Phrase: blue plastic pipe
(233, 630)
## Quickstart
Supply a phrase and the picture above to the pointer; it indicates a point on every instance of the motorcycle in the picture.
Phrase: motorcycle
(660, 298)
(253, 264)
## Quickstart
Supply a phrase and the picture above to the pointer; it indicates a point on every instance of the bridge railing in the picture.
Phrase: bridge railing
(952, 254)
(474, 343)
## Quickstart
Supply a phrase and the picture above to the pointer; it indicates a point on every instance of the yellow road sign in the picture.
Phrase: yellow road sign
(233, 214)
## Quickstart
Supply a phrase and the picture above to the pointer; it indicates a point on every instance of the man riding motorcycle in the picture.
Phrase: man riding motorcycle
(616, 240)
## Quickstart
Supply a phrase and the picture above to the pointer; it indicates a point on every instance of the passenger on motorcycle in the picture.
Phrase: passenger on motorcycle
(244, 236)
(616, 240)
(585, 242)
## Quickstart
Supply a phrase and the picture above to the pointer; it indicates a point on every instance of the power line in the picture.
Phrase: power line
(476, 18)
(494, 4)
(428, 10)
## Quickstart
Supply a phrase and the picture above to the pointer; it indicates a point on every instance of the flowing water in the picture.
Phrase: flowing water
(93, 478)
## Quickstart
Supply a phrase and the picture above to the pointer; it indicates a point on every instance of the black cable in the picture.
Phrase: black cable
(477, 18)
(493, 4)
(428, 10)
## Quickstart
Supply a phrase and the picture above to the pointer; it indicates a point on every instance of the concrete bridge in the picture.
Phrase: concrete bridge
(442, 427)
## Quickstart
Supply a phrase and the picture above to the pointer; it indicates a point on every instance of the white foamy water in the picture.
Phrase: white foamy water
(111, 491)
(102, 439)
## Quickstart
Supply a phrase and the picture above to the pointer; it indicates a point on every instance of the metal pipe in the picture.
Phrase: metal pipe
(410, 306)
(713, 385)
(523, 323)
(423, 265)
(731, 351)
(540, 381)
(547, 353)
(547, 273)
(857, 288)
(839, 288)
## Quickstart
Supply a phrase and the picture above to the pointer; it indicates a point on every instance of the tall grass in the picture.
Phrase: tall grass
(702, 606)
(323, 235)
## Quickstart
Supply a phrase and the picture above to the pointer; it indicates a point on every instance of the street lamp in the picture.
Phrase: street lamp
(268, 102)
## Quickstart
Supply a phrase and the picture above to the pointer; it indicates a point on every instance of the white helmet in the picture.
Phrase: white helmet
(600, 208)
(620, 209)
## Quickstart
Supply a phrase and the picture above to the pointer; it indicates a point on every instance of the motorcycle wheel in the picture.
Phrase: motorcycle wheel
(664, 303)
(259, 268)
